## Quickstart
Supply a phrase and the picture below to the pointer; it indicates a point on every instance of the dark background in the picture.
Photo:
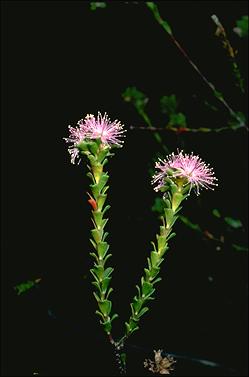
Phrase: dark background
(60, 62)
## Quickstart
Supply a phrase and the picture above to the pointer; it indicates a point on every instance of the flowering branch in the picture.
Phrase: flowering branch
(95, 138)
(177, 176)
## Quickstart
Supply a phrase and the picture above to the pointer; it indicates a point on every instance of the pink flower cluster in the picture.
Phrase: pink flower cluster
(94, 128)
(191, 168)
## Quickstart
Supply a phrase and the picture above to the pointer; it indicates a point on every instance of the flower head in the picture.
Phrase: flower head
(184, 169)
(90, 127)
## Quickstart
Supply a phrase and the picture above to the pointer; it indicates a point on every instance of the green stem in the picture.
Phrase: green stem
(97, 155)
(150, 278)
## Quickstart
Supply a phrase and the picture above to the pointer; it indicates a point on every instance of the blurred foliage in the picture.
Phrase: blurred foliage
(241, 28)
(97, 4)
(24, 287)
(169, 106)
(221, 33)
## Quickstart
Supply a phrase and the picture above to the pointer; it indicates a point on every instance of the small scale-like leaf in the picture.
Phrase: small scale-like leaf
(147, 288)
(176, 200)
(96, 296)
(101, 198)
(94, 244)
(154, 256)
(171, 236)
(107, 326)
(102, 249)
(106, 209)
(95, 190)
(108, 272)
(143, 311)
(110, 290)
(102, 181)
(98, 271)
(137, 304)
(100, 314)
(97, 215)
(105, 307)
(147, 273)
(105, 235)
(105, 284)
(115, 315)
(157, 280)
(129, 329)
(169, 214)
(97, 234)
(161, 240)
(154, 271)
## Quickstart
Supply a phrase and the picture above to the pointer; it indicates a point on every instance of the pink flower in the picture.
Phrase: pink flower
(94, 128)
(190, 169)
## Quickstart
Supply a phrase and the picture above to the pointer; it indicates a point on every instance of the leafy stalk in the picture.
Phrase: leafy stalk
(97, 155)
(175, 195)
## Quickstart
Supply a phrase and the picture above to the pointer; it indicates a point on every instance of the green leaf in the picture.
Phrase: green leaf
(102, 181)
(115, 315)
(171, 236)
(106, 209)
(157, 280)
(147, 273)
(137, 304)
(95, 190)
(97, 234)
(105, 235)
(101, 200)
(96, 297)
(102, 249)
(107, 326)
(147, 288)
(105, 284)
(143, 311)
(169, 214)
(98, 271)
(105, 307)
(155, 270)
(108, 272)
(93, 146)
(97, 215)
(155, 257)
(110, 290)
(234, 223)
(176, 200)
(100, 314)
(131, 326)
(161, 240)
